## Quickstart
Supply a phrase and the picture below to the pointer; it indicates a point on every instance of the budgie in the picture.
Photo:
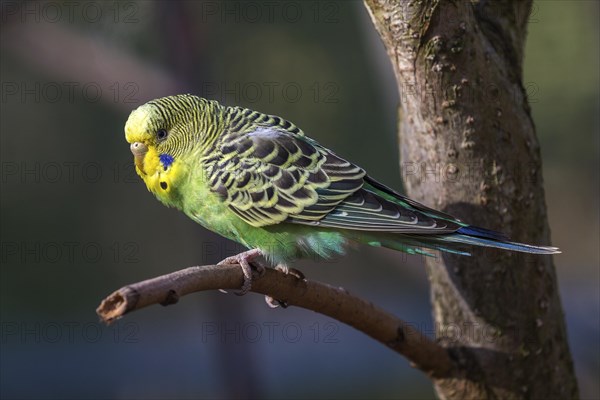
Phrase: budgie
(259, 180)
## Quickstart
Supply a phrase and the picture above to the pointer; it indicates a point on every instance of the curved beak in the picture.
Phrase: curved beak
(139, 150)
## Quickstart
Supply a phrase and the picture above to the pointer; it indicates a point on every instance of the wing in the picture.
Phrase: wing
(375, 207)
(269, 174)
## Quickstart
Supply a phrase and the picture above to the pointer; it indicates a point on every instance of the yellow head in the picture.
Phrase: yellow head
(161, 133)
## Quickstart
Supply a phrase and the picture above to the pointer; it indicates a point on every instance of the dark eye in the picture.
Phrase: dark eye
(162, 134)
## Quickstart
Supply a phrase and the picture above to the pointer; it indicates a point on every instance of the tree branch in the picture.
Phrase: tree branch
(468, 147)
(337, 303)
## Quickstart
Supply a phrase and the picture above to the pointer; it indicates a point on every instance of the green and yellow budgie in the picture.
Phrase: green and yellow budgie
(258, 180)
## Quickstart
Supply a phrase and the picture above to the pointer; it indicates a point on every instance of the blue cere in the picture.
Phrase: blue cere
(166, 160)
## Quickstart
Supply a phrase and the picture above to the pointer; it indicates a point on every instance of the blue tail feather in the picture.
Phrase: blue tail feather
(482, 233)
(483, 237)
(454, 242)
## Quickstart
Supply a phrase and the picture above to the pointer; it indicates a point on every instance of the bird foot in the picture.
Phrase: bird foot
(291, 271)
(274, 303)
(244, 259)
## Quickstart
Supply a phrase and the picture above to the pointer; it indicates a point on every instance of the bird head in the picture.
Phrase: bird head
(167, 127)
(163, 131)
(154, 131)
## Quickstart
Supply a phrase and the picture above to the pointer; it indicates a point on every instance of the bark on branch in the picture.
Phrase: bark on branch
(336, 303)
(468, 147)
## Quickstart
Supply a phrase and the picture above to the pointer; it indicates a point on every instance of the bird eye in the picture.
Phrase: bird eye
(161, 134)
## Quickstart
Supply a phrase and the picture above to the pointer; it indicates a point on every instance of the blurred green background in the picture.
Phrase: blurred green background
(76, 223)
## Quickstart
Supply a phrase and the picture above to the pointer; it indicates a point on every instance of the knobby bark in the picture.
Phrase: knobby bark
(468, 147)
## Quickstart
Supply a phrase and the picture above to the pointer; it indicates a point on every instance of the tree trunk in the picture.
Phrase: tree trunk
(468, 147)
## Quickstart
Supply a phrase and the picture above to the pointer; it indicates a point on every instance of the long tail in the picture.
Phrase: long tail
(475, 236)
(455, 242)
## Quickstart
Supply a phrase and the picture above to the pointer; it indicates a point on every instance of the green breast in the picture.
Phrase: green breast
(281, 242)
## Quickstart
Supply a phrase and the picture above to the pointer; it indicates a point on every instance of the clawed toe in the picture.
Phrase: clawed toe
(259, 267)
(291, 271)
(229, 260)
(248, 262)
(243, 259)
(274, 303)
